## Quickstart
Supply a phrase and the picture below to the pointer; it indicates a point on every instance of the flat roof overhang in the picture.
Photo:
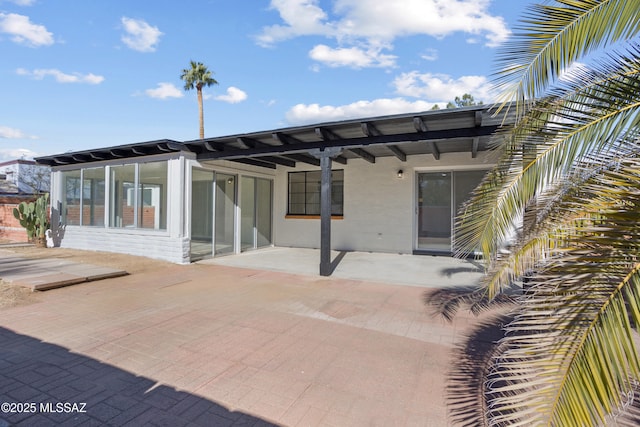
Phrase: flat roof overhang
(140, 149)
(434, 132)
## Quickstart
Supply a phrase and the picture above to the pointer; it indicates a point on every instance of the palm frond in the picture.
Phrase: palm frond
(560, 212)
(587, 119)
(571, 358)
(552, 37)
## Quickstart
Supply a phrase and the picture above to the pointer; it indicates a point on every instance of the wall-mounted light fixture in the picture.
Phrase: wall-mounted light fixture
(400, 174)
(230, 181)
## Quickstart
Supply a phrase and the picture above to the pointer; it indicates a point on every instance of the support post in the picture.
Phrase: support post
(325, 216)
(325, 157)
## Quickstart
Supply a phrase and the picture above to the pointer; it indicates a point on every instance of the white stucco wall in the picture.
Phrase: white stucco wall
(379, 208)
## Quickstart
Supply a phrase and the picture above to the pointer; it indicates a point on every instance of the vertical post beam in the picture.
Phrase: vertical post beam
(325, 155)
(325, 216)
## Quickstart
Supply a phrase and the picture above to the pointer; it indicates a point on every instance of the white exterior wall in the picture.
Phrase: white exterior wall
(171, 244)
(379, 208)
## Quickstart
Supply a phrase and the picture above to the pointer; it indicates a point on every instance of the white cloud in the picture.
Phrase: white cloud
(61, 77)
(353, 57)
(377, 23)
(302, 17)
(139, 35)
(164, 91)
(24, 2)
(23, 31)
(233, 95)
(313, 113)
(441, 87)
(430, 55)
(17, 153)
(12, 133)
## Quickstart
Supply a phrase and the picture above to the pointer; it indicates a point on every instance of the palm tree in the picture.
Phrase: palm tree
(570, 167)
(198, 76)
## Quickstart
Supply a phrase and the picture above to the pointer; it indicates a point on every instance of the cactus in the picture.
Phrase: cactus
(33, 216)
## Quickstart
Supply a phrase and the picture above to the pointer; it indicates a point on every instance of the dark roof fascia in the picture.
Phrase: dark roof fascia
(115, 152)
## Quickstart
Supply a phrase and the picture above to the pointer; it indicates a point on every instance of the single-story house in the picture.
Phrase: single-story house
(385, 184)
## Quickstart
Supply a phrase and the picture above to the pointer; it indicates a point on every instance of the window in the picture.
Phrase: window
(304, 193)
(122, 196)
(152, 196)
(71, 197)
(139, 196)
(93, 196)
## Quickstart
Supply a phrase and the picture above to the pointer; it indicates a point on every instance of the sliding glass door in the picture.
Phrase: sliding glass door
(225, 214)
(440, 196)
(434, 211)
(201, 214)
(215, 199)
(255, 207)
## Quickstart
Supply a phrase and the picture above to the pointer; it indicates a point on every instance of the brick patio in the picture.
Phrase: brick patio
(217, 345)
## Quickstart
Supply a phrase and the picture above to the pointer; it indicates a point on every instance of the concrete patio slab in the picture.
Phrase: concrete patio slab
(413, 270)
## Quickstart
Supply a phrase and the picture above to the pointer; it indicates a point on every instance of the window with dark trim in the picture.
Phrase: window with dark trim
(304, 193)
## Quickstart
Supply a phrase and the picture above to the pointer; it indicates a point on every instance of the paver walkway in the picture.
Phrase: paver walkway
(217, 345)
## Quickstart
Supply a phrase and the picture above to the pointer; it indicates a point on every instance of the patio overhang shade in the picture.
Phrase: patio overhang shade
(434, 132)
(431, 132)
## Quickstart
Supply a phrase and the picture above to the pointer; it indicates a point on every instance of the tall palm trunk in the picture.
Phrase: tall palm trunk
(200, 112)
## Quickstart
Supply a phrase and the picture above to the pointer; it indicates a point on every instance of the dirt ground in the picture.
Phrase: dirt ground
(12, 296)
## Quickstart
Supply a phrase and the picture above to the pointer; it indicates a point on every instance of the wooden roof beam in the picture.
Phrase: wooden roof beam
(285, 139)
(278, 161)
(478, 119)
(420, 125)
(474, 147)
(139, 151)
(434, 150)
(96, 156)
(255, 162)
(364, 154)
(340, 159)
(79, 157)
(303, 158)
(369, 129)
(397, 152)
(326, 134)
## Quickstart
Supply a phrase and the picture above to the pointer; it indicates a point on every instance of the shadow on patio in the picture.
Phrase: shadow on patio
(32, 371)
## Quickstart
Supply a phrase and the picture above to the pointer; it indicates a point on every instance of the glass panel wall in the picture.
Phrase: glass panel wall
(152, 195)
(71, 197)
(264, 209)
(93, 196)
(225, 203)
(465, 183)
(247, 216)
(255, 206)
(123, 196)
(201, 214)
(440, 197)
(434, 211)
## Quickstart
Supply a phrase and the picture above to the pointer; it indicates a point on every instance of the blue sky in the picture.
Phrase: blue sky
(80, 74)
